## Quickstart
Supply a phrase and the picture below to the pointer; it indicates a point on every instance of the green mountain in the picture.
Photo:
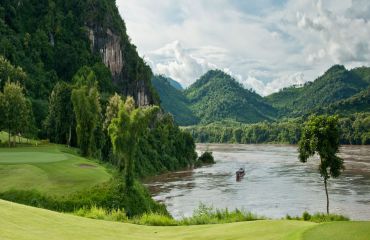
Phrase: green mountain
(359, 102)
(217, 96)
(174, 101)
(175, 84)
(52, 39)
(335, 85)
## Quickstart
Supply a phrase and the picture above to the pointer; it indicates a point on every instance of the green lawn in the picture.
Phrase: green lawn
(4, 139)
(20, 222)
(49, 169)
(342, 231)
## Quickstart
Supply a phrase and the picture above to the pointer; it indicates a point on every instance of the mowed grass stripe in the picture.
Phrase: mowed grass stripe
(51, 170)
(30, 157)
(23, 222)
(339, 231)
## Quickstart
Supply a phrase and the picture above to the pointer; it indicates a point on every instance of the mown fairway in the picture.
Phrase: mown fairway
(49, 169)
(23, 222)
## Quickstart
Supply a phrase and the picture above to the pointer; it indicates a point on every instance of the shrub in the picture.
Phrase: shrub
(109, 196)
(95, 212)
(206, 158)
(154, 219)
(319, 217)
(306, 216)
(208, 215)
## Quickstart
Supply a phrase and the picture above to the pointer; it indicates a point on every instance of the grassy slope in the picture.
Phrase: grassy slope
(49, 169)
(342, 231)
(22, 222)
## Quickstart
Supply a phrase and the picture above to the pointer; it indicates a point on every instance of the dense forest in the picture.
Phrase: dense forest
(221, 105)
(354, 129)
(337, 84)
(174, 100)
(55, 64)
(216, 96)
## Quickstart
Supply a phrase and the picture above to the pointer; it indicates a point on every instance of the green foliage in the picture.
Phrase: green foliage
(202, 215)
(216, 96)
(10, 73)
(94, 212)
(354, 129)
(87, 109)
(108, 196)
(320, 135)
(60, 122)
(359, 102)
(155, 219)
(174, 101)
(15, 111)
(125, 132)
(49, 40)
(335, 85)
(206, 158)
(164, 147)
(319, 217)
(287, 131)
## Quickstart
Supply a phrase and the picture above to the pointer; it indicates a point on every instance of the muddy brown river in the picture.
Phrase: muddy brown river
(275, 184)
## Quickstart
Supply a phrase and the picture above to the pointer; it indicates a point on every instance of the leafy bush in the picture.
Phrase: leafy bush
(321, 217)
(206, 158)
(202, 215)
(109, 196)
(318, 217)
(154, 219)
(209, 215)
(95, 212)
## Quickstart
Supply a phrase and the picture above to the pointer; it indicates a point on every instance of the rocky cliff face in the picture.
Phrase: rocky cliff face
(110, 47)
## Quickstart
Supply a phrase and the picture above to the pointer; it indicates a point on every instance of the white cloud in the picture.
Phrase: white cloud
(268, 46)
(178, 63)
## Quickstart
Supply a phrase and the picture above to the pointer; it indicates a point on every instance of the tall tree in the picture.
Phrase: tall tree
(125, 131)
(320, 135)
(60, 119)
(16, 112)
(112, 110)
(8, 72)
(87, 109)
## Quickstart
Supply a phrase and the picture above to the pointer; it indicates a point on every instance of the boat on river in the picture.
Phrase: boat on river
(240, 174)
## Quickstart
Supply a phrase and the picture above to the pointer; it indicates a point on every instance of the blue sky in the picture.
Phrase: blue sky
(265, 44)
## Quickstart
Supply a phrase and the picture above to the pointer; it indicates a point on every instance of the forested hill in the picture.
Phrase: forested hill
(174, 101)
(52, 39)
(72, 71)
(217, 96)
(332, 88)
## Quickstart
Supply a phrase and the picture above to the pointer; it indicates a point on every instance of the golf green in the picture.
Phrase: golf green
(52, 170)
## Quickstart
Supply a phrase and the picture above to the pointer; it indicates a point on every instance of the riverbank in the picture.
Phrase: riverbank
(275, 184)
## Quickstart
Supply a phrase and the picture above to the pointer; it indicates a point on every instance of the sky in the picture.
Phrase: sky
(266, 44)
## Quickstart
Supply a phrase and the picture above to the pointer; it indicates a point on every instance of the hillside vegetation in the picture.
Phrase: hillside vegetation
(335, 85)
(174, 101)
(217, 96)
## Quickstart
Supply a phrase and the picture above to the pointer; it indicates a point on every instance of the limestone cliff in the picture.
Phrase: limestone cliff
(120, 56)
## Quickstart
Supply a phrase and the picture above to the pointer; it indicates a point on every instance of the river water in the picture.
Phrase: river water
(275, 184)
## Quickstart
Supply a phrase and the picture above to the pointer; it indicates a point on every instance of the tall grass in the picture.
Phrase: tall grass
(319, 217)
(100, 213)
(202, 215)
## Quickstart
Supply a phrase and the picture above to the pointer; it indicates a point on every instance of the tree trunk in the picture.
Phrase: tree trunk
(327, 195)
(9, 139)
(69, 136)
